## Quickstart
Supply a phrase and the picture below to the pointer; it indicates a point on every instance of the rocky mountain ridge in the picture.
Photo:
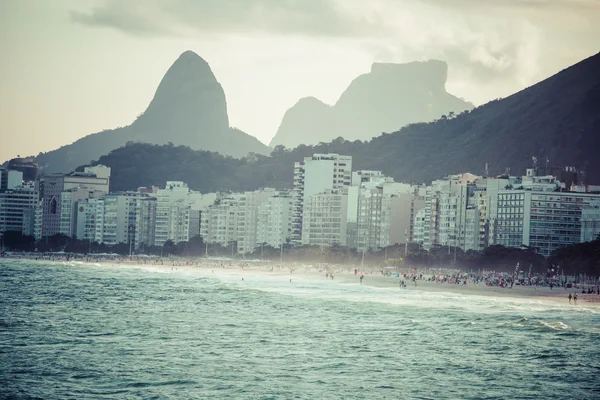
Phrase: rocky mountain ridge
(189, 108)
(386, 99)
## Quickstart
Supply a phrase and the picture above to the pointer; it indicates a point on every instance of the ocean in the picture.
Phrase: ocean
(90, 331)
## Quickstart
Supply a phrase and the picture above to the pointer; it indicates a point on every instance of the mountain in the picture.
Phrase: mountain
(383, 100)
(558, 119)
(188, 108)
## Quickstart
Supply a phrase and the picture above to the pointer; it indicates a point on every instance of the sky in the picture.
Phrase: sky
(69, 68)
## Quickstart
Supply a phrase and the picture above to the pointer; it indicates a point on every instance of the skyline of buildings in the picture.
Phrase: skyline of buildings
(329, 204)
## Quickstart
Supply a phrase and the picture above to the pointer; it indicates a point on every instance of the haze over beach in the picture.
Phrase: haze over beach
(300, 199)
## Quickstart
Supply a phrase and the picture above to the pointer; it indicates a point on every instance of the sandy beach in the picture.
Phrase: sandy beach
(345, 274)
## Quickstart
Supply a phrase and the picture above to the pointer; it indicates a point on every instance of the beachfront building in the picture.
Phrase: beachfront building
(145, 222)
(419, 227)
(373, 222)
(86, 219)
(431, 216)
(110, 219)
(316, 174)
(324, 218)
(381, 212)
(115, 218)
(16, 207)
(590, 222)
(68, 207)
(546, 221)
(404, 206)
(238, 220)
(178, 212)
(455, 192)
(274, 220)
(530, 182)
(247, 218)
(52, 186)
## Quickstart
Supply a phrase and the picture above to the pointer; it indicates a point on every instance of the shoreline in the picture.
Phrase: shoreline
(343, 274)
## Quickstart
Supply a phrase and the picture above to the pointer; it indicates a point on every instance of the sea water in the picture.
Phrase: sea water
(76, 330)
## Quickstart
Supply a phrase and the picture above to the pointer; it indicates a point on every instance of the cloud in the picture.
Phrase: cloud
(507, 43)
(174, 17)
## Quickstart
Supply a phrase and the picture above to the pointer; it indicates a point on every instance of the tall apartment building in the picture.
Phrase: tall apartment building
(455, 192)
(324, 219)
(219, 221)
(590, 222)
(544, 220)
(494, 186)
(373, 222)
(110, 219)
(404, 207)
(145, 222)
(317, 174)
(380, 211)
(86, 218)
(52, 186)
(241, 218)
(178, 212)
(16, 205)
(9, 179)
(68, 208)
(274, 222)
(419, 227)
(476, 223)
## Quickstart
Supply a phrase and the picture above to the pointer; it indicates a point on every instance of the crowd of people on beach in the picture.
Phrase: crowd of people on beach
(438, 276)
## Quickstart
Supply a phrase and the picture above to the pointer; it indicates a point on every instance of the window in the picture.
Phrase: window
(53, 205)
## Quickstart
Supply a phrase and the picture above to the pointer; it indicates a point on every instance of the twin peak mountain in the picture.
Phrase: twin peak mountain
(189, 108)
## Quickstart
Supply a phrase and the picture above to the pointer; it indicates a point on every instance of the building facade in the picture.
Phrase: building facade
(324, 219)
(16, 205)
(313, 175)
(590, 222)
(52, 186)
(545, 221)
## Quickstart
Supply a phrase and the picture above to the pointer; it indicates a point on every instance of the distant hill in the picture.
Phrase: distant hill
(383, 100)
(188, 108)
(558, 118)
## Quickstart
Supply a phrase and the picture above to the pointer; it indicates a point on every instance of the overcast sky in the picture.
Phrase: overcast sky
(74, 67)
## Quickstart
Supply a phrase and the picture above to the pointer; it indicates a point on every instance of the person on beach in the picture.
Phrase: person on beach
(570, 297)
(361, 279)
(575, 298)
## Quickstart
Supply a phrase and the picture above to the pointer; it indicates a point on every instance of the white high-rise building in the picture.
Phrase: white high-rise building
(178, 212)
(145, 222)
(274, 223)
(546, 221)
(419, 227)
(455, 192)
(380, 211)
(110, 219)
(219, 221)
(373, 219)
(86, 218)
(314, 175)
(324, 219)
(15, 204)
(235, 220)
(590, 222)
(68, 208)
